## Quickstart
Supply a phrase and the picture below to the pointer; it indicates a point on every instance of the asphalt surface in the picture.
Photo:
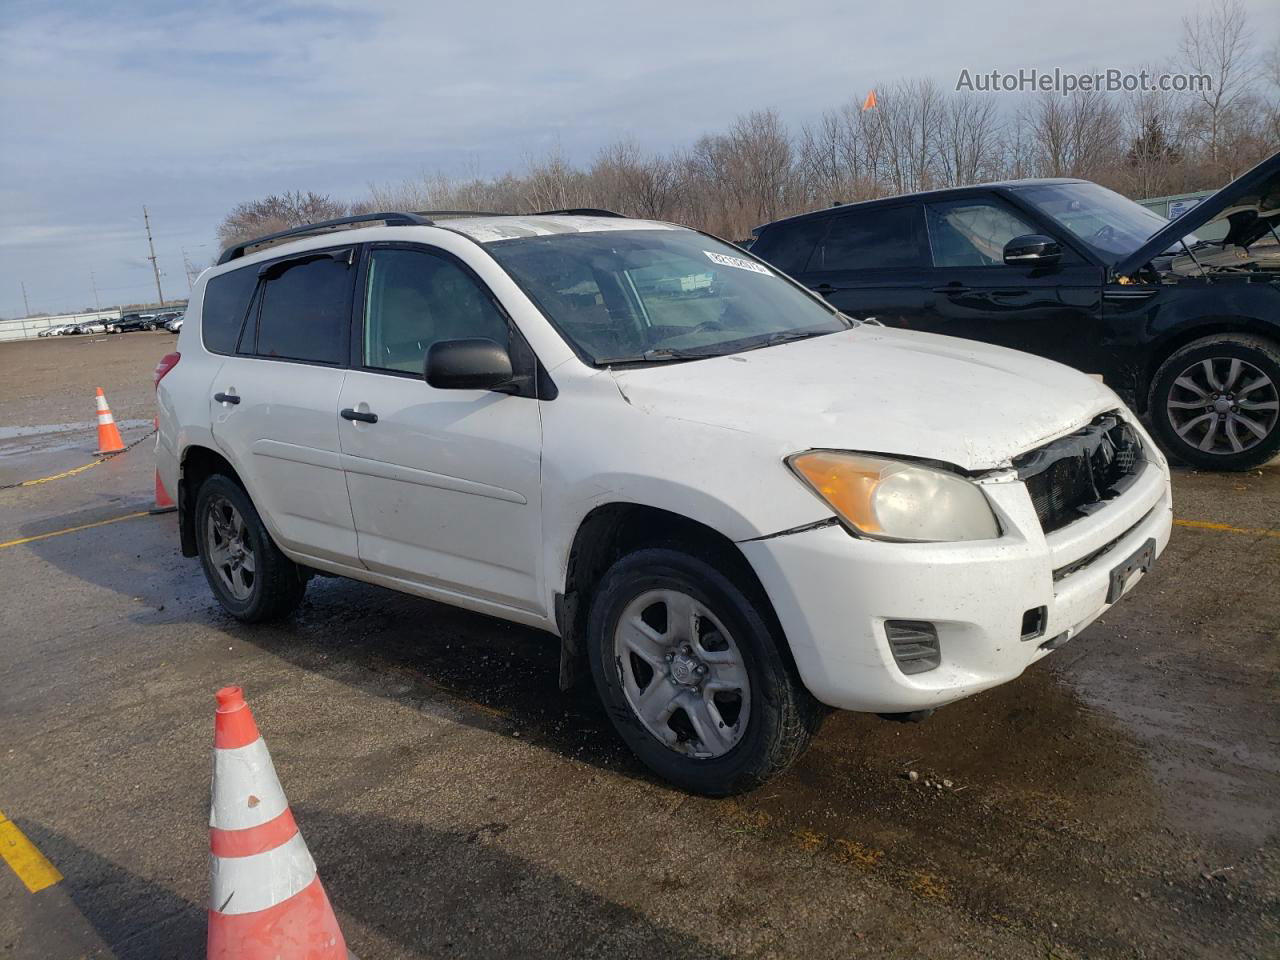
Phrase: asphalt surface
(1121, 799)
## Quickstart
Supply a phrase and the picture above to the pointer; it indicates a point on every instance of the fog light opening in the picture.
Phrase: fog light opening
(1033, 622)
(914, 644)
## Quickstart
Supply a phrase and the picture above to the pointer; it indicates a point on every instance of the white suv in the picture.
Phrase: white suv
(735, 503)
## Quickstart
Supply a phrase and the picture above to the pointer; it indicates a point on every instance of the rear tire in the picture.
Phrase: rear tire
(1215, 403)
(246, 571)
(731, 711)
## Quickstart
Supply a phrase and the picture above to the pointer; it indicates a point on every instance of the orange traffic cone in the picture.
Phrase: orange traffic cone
(266, 901)
(108, 433)
(164, 502)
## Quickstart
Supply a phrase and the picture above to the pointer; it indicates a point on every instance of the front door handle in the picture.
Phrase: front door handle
(226, 398)
(349, 414)
(952, 288)
(824, 288)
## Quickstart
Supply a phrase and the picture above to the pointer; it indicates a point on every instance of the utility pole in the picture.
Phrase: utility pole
(25, 306)
(94, 282)
(186, 265)
(154, 266)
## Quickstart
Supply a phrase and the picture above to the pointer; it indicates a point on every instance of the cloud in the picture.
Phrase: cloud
(193, 108)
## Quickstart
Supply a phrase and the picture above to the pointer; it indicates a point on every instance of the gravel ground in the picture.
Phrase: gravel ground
(1118, 800)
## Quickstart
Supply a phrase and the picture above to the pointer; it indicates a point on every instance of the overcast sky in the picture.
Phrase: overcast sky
(106, 106)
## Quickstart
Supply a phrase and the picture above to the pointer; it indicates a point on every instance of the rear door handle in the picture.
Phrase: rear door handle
(349, 414)
(226, 398)
(824, 288)
(952, 288)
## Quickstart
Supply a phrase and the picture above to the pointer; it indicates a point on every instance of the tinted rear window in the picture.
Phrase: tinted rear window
(226, 301)
(788, 246)
(877, 239)
(306, 312)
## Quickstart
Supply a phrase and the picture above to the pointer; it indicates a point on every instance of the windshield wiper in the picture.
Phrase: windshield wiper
(656, 355)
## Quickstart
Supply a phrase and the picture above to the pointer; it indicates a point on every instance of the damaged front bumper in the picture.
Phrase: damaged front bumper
(834, 594)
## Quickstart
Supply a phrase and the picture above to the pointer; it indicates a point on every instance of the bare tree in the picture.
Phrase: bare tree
(969, 133)
(277, 212)
(1074, 136)
(1217, 45)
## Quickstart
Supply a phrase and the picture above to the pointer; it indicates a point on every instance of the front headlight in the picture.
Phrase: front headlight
(894, 500)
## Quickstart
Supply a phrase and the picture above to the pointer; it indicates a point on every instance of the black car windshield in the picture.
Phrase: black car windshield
(654, 295)
(1109, 224)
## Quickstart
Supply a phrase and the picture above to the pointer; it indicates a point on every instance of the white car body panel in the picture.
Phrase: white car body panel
(475, 498)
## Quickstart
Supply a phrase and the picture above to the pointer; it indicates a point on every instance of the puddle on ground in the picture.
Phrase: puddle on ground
(54, 437)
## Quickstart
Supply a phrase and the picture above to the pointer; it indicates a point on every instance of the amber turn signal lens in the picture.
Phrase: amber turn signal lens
(846, 484)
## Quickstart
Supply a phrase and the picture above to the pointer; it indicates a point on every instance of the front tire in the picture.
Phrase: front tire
(693, 676)
(1215, 403)
(248, 574)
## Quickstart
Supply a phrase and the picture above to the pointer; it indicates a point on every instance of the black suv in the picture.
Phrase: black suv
(1186, 330)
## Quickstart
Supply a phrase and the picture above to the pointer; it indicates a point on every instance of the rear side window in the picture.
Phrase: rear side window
(876, 239)
(305, 311)
(226, 301)
(788, 246)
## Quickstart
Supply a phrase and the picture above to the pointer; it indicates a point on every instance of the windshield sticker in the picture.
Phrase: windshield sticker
(739, 262)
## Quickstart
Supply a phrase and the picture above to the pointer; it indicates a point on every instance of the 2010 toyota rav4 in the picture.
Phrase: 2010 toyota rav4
(735, 503)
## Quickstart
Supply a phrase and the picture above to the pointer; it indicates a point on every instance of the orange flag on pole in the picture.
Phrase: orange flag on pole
(870, 102)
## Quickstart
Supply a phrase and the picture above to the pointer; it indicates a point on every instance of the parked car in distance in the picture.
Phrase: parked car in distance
(130, 322)
(732, 504)
(1187, 330)
(174, 324)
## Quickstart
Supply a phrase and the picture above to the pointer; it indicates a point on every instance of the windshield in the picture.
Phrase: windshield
(632, 296)
(1109, 224)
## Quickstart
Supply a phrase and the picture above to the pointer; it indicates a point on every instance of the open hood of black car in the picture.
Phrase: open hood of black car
(1250, 203)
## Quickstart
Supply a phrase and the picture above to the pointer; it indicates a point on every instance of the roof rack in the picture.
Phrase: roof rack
(390, 218)
(579, 212)
(463, 213)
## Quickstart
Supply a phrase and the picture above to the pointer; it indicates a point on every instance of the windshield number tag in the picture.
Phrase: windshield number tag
(738, 262)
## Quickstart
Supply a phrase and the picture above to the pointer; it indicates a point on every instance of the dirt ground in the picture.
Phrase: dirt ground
(1121, 799)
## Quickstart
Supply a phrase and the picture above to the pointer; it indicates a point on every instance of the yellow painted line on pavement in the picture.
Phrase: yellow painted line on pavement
(32, 867)
(1206, 525)
(83, 526)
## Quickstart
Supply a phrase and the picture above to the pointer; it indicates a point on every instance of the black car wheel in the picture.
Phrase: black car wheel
(693, 675)
(248, 574)
(1215, 403)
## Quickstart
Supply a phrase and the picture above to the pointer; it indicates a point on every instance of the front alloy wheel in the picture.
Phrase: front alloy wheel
(1215, 403)
(682, 673)
(1223, 405)
(692, 669)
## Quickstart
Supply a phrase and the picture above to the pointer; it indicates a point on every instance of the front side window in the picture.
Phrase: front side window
(972, 233)
(882, 238)
(305, 312)
(648, 295)
(414, 298)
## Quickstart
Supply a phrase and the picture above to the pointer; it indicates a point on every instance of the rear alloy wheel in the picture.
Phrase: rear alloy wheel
(693, 675)
(1216, 402)
(248, 574)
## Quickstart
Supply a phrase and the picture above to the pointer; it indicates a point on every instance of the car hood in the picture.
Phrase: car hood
(1250, 203)
(877, 390)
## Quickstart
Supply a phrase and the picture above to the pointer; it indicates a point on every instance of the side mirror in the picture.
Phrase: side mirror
(472, 364)
(1033, 250)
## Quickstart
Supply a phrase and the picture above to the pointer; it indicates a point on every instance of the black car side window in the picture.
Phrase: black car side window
(875, 239)
(972, 233)
(789, 246)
